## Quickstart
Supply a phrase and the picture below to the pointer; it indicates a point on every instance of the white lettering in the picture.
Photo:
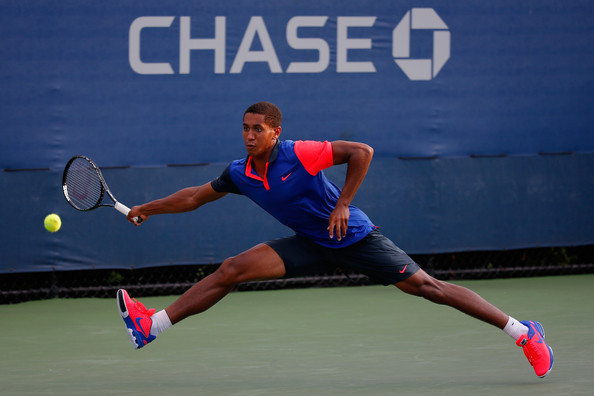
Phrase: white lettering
(245, 54)
(344, 43)
(308, 44)
(187, 44)
(134, 58)
(415, 69)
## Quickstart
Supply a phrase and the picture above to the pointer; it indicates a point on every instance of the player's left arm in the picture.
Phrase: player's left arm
(357, 156)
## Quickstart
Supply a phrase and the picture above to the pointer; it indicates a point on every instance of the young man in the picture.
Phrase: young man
(286, 179)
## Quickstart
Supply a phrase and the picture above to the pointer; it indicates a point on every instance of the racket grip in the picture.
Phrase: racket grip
(123, 209)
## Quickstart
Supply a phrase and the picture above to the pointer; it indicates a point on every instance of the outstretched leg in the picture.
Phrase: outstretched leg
(258, 263)
(530, 338)
(143, 325)
(461, 298)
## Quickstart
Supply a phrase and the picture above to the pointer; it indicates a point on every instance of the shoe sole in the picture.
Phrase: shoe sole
(552, 362)
(122, 304)
(124, 314)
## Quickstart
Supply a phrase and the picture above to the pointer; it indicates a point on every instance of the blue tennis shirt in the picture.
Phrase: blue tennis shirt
(295, 191)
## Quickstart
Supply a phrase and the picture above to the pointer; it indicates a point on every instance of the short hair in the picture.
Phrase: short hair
(272, 114)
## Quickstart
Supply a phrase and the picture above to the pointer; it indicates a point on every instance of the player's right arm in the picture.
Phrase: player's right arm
(184, 200)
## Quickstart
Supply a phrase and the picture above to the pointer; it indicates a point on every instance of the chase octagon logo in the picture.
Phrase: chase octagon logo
(257, 46)
(426, 19)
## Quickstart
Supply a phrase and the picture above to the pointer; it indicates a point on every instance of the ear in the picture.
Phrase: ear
(277, 132)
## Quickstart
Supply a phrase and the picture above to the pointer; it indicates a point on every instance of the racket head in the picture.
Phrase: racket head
(83, 184)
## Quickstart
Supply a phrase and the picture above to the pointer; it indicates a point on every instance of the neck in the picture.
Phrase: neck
(259, 161)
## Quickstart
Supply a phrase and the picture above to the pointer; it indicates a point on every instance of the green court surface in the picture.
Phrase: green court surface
(370, 340)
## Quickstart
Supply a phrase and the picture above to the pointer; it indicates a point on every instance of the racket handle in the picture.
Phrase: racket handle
(123, 209)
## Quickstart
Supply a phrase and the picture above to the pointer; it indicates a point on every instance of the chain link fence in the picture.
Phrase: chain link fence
(173, 280)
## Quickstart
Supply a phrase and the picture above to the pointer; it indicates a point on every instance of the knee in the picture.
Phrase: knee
(429, 288)
(433, 291)
(229, 272)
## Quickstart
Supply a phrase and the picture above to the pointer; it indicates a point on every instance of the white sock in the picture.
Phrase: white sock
(515, 329)
(161, 322)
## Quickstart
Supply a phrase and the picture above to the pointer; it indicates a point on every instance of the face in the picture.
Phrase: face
(258, 137)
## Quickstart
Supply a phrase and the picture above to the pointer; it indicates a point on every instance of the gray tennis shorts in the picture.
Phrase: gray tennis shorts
(375, 256)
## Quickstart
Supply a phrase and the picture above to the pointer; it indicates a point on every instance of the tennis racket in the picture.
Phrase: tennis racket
(84, 187)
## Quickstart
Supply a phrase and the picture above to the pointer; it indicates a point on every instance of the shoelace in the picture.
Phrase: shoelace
(533, 352)
(140, 306)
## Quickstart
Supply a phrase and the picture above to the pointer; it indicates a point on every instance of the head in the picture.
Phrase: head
(272, 115)
(261, 129)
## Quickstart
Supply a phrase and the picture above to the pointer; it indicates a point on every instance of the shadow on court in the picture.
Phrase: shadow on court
(342, 341)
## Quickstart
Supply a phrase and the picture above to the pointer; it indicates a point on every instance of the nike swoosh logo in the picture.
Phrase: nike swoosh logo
(403, 269)
(283, 178)
(140, 328)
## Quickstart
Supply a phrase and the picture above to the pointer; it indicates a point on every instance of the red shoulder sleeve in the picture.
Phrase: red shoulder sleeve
(314, 156)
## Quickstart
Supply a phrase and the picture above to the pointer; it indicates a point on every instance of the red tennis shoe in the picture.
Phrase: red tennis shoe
(137, 319)
(539, 354)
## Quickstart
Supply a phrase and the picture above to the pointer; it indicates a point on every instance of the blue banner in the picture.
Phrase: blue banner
(443, 205)
(479, 112)
(149, 83)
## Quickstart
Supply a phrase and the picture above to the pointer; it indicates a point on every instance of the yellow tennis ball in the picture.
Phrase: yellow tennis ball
(52, 222)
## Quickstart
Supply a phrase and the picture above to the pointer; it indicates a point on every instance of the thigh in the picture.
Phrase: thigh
(258, 263)
(301, 257)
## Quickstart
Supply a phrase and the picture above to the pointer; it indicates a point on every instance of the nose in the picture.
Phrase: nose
(250, 135)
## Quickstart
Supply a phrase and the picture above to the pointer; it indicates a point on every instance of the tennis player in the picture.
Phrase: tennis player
(286, 179)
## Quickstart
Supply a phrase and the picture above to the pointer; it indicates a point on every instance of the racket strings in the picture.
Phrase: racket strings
(83, 185)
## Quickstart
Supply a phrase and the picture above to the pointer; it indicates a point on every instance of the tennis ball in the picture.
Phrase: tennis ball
(52, 222)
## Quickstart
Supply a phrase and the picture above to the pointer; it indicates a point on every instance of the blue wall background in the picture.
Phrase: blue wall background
(494, 149)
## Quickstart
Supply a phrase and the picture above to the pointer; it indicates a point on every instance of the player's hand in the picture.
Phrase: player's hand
(134, 213)
(339, 221)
